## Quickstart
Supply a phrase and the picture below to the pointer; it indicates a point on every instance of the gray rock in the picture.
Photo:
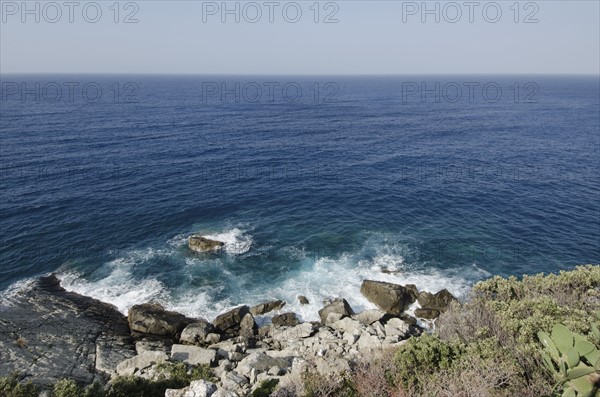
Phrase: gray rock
(438, 301)
(198, 243)
(248, 327)
(153, 344)
(267, 307)
(197, 333)
(142, 361)
(262, 363)
(229, 322)
(300, 331)
(428, 314)
(153, 319)
(193, 355)
(303, 300)
(347, 324)
(285, 319)
(47, 334)
(396, 327)
(338, 306)
(234, 380)
(368, 342)
(391, 298)
(368, 317)
(275, 371)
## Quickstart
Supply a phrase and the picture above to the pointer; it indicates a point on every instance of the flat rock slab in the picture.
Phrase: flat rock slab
(47, 334)
(194, 355)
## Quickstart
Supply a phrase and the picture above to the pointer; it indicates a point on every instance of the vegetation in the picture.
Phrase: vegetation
(265, 388)
(489, 346)
(169, 376)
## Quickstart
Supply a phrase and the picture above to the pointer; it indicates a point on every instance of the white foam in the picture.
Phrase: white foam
(317, 279)
(119, 288)
(236, 242)
(12, 291)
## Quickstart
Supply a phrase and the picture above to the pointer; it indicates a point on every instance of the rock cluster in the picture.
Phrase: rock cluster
(95, 342)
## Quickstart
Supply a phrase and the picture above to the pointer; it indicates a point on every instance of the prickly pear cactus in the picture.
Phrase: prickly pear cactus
(573, 360)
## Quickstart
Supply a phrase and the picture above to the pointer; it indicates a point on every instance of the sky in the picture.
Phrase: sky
(302, 37)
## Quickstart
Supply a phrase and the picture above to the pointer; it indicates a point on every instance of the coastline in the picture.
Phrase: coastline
(50, 334)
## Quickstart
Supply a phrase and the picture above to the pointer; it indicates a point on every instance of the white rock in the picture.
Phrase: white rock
(347, 324)
(368, 317)
(396, 326)
(368, 341)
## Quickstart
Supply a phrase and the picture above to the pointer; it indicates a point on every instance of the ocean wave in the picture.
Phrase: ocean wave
(214, 285)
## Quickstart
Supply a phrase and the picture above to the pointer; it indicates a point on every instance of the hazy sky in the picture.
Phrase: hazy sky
(369, 37)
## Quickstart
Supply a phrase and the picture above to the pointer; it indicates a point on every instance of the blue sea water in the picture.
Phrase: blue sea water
(314, 183)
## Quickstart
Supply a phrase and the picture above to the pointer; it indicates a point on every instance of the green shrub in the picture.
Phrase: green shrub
(11, 387)
(171, 376)
(265, 388)
(66, 388)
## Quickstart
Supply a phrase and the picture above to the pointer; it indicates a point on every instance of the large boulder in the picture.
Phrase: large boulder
(202, 244)
(153, 319)
(229, 323)
(197, 333)
(267, 307)
(438, 301)
(337, 306)
(391, 298)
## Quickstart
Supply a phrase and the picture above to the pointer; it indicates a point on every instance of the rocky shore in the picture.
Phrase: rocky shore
(48, 334)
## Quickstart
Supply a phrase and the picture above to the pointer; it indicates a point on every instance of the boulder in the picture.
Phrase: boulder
(229, 323)
(303, 300)
(391, 298)
(286, 319)
(198, 243)
(267, 307)
(338, 306)
(193, 355)
(197, 333)
(438, 301)
(300, 331)
(153, 319)
(368, 317)
(426, 313)
(396, 327)
(198, 388)
(347, 324)
(248, 327)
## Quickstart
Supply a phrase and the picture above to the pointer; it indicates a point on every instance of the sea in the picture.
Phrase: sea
(314, 184)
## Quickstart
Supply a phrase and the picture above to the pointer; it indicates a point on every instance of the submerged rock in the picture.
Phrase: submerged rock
(303, 300)
(199, 243)
(391, 298)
